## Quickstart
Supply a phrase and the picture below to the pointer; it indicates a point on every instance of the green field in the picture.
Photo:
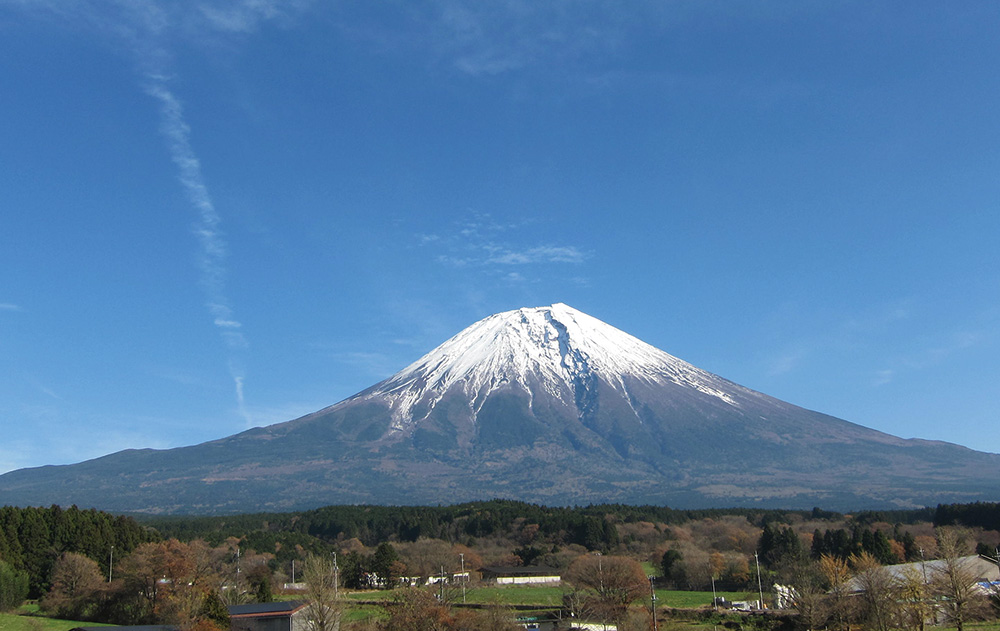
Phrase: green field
(551, 596)
(25, 620)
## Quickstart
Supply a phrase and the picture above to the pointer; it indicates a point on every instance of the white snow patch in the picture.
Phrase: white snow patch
(557, 346)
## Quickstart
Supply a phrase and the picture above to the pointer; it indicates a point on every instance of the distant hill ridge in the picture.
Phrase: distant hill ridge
(545, 405)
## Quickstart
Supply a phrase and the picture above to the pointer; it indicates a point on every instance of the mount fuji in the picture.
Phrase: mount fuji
(546, 405)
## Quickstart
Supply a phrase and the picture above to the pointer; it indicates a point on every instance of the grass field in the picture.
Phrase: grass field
(25, 620)
(551, 596)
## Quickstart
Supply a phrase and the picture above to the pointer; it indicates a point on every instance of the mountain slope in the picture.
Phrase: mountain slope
(547, 405)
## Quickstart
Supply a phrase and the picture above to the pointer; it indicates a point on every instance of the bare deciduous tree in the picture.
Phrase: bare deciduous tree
(614, 582)
(878, 592)
(76, 581)
(836, 574)
(325, 608)
(954, 580)
(913, 598)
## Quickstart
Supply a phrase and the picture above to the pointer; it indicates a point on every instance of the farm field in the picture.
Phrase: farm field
(551, 596)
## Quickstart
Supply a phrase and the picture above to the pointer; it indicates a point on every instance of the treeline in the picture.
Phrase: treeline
(31, 539)
(590, 526)
(595, 527)
(985, 515)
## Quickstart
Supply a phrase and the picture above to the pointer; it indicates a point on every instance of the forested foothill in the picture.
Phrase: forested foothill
(93, 566)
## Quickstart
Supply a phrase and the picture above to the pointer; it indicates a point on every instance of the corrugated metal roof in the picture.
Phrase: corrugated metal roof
(285, 607)
(981, 568)
(534, 570)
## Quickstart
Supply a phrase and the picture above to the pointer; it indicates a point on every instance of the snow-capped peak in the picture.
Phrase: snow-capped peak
(556, 346)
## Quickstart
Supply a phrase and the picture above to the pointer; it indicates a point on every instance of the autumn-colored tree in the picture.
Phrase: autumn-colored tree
(614, 583)
(426, 557)
(913, 598)
(259, 583)
(167, 582)
(737, 570)
(495, 617)
(325, 608)
(716, 564)
(954, 580)
(836, 574)
(879, 592)
(136, 592)
(76, 581)
(415, 609)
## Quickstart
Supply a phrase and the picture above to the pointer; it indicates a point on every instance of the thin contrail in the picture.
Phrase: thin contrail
(213, 245)
(143, 28)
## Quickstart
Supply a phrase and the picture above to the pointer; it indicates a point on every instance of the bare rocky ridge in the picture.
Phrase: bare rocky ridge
(546, 405)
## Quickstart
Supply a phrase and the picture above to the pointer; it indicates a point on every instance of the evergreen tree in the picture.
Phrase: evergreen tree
(38, 556)
(381, 563)
(778, 546)
(672, 567)
(13, 586)
(214, 610)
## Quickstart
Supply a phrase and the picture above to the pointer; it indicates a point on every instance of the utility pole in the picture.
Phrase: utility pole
(464, 577)
(111, 562)
(336, 577)
(238, 596)
(996, 557)
(652, 601)
(600, 572)
(760, 588)
(715, 599)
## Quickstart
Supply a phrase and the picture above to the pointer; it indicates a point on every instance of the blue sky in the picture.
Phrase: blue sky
(223, 214)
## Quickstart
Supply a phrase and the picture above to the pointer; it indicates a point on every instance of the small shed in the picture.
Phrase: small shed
(278, 616)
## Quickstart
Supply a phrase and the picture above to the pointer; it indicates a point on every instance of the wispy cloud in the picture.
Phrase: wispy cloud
(496, 37)
(241, 17)
(893, 332)
(480, 241)
(241, 404)
(8, 306)
(941, 349)
(47, 391)
(785, 362)
(542, 254)
(882, 377)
